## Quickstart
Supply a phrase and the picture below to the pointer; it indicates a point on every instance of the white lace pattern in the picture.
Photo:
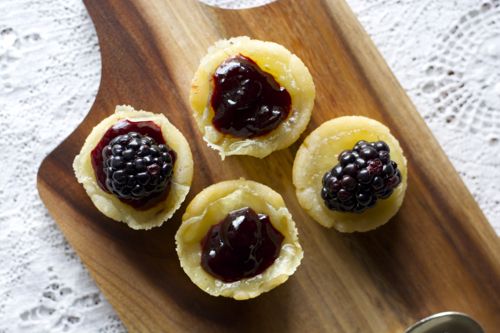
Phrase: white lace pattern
(446, 54)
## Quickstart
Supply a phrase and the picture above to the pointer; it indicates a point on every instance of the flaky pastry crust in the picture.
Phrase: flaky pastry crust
(110, 205)
(287, 69)
(318, 154)
(211, 206)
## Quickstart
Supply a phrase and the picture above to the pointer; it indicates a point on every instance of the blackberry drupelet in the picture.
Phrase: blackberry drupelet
(362, 176)
(136, 167)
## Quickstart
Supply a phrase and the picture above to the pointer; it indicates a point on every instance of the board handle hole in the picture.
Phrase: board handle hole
(236, 4)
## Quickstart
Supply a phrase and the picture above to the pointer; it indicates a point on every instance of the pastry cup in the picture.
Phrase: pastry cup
(211, 206)
(318, 154)
(109, 204)
(287, 69)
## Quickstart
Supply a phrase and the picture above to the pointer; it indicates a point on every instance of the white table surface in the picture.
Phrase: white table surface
(445, 53)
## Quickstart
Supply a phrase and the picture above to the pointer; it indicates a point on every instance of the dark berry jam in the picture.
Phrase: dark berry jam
(134, 174)
(242, 245)
(247, 101)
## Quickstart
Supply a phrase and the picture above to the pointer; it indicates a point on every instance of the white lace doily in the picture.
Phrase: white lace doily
(445, 53)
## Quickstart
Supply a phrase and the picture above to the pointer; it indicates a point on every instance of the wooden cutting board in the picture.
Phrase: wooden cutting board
(439, 253)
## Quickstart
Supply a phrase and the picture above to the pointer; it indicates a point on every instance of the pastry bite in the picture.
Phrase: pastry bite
(136, 167)
(350, 173)
(237, 239)
(251, 97)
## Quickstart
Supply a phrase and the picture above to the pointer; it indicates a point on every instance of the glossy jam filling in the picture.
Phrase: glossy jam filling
(148, 128)
(247, 101)
(242, 245)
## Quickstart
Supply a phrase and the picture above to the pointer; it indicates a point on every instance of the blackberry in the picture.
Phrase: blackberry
(363, 175)
(136, 166)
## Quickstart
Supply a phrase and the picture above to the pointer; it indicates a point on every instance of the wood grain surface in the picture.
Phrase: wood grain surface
(439, 253)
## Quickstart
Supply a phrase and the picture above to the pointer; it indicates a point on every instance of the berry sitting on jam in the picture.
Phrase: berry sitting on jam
(363, 175)
(242, 245)
(133, 162)
(247, 101)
